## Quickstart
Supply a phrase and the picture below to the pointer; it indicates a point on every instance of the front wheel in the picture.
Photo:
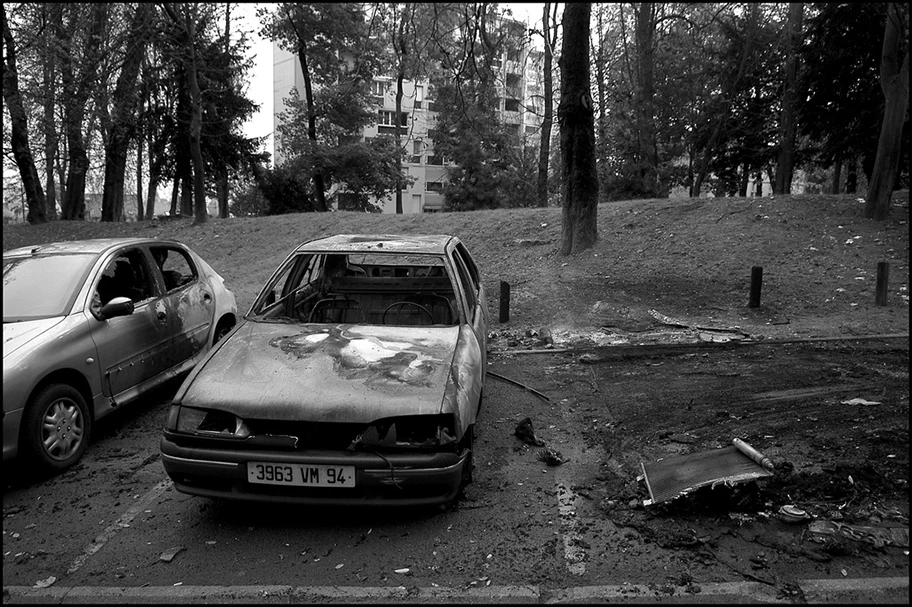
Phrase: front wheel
(55, 428)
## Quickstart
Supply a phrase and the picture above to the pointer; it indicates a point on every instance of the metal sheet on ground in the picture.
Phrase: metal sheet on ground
(675, 476)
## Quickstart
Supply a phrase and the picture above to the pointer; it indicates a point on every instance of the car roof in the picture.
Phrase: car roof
(92, 245)
(380, 243)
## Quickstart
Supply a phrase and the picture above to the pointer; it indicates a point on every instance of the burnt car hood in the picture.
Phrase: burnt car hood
(338, 373)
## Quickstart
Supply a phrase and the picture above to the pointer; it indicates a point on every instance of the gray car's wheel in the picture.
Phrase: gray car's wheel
(55, 428)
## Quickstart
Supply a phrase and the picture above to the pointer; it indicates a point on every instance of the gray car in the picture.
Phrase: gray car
(91, 325)
(356, 378)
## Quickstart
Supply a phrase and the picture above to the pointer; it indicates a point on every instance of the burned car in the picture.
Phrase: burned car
(356, 377)
(90, 325)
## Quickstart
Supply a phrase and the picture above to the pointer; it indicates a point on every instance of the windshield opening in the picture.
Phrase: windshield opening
(361, 288)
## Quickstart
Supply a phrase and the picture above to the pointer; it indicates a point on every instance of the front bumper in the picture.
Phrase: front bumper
(407, 479)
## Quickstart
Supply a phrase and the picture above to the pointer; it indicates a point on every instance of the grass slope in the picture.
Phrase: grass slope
(689, 258)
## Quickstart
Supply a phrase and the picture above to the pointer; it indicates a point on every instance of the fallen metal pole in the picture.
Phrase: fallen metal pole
(516, 383)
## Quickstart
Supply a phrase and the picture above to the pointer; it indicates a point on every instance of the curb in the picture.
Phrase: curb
(888, 589)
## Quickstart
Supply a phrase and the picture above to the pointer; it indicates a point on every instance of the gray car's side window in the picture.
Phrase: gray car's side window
(175, 265)
(127, 275)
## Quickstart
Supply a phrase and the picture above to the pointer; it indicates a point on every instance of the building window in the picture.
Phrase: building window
(417, 147)
(386, 118)
(433, 186)
(378, 88)
(435, 160)
(511, 105)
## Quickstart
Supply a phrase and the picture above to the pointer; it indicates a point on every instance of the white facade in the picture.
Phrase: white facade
(517, 104)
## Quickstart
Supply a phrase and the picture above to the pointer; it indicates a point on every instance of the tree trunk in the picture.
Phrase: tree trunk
(318, 182)
(786, 158)
(744, 181)
(140, 210)
(577, 135)
(544, 151)
(837, 173)
(22, 153)
(51, 141)
(753, 12)
(221, 192)
(851, 186)
(151, 193)
(123, 127)
(76, 89)
(647, 149)
(894, 81)
(401, 52)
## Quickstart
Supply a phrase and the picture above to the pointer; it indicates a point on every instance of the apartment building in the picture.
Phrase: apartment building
(520, 105)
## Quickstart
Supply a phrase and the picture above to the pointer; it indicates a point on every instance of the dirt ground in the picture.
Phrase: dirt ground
(650, 334)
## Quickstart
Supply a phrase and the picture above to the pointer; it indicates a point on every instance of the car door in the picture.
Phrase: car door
(475, 298)
(134, 348)
(188, 299)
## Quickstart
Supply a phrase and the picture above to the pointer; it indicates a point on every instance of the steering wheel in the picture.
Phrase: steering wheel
(408, 303)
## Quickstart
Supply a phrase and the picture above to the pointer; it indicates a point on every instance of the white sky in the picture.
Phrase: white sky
(259, 87)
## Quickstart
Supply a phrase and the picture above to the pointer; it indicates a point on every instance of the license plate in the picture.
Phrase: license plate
(301, 475)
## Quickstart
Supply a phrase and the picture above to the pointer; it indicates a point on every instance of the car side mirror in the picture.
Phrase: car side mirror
(118, 306)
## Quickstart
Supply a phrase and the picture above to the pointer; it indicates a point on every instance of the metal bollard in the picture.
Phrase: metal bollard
(883, 275)
(504, 301)
(756, 282)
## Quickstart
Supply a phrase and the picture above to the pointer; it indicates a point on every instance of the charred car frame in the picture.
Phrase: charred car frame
(356, 377)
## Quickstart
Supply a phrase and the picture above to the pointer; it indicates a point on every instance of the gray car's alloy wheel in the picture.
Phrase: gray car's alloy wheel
(55, 428)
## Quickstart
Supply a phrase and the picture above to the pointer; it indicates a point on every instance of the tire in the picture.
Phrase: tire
(222, 330)
(470, 461)
(55, 428)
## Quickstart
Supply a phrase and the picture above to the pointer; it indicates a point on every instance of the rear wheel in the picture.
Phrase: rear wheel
(55, 428)
(222, 330)
(469, 442)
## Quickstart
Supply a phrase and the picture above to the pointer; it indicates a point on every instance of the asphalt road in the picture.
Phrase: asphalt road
(114, 530)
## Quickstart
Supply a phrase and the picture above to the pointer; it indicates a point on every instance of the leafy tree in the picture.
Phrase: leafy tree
(334, 46)
(79, 37)
(492, 167)
(120, 127)
(579, 229)
(894, 81)
(786, 158)
(185, 17)
(839, 124)
(20, 140)
(549, 34)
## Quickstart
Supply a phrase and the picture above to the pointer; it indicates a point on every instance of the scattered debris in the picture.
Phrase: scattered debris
(686, 439)
(793, 514)
(525, 432)
(704, 333)
(877, 536)
(860, 401)
(45, 583)
(551, 456)
(402, 571)
(169, 554)
(752, 453)
(676, 476)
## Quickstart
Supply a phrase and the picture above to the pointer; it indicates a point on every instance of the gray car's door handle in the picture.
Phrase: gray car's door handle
(162, 315)
(207, 297)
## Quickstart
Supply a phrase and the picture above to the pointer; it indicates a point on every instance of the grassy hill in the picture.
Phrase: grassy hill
(688, 259)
